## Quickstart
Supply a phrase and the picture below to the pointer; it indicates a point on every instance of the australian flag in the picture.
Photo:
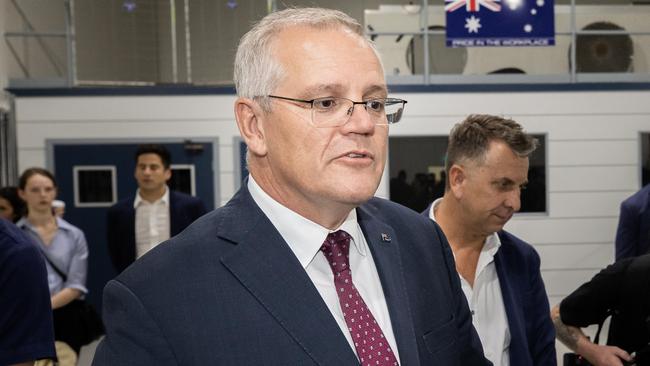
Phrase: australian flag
(484, 23)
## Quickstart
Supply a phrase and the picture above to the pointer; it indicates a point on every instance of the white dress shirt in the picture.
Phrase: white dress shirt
(151, 222)
(305, 243)
(486, 301)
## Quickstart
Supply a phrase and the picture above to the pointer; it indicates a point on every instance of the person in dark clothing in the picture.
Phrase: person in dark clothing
(621, 290)
(26, 332)
(633, 232)
(12, 207)
(154, 214)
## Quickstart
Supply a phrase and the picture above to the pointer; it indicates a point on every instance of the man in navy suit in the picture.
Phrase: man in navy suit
(633, 233)
(154, 214)
(302, 266)
(487, 166)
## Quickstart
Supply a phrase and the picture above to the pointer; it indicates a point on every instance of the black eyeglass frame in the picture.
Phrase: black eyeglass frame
(364, 103)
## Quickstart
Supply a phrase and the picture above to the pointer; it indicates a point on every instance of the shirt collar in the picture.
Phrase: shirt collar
(307, 241)
(492, 242)
(60, 223)
(138, 199)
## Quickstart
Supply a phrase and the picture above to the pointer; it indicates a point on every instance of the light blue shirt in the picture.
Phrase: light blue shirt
(68, 251)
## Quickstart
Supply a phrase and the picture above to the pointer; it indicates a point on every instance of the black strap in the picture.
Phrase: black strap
(600, 327)
(61, 274)
(58, 271)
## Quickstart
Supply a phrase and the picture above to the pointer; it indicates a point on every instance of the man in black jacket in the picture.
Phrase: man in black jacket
(621, 290)
(154, 214)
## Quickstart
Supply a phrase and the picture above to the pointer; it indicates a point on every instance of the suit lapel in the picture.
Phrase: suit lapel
(266, 266)
(384, 246)
(174, 224)
(510, 302)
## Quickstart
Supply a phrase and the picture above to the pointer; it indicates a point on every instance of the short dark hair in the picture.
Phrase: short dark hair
(17, 203)
(30, 172)
(157, 149)
(470, 139)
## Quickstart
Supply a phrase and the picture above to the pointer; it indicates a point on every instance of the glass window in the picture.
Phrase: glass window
(182, 179)
(94, 186)
(417, 172)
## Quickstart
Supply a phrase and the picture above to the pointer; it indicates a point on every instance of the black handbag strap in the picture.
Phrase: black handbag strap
(56, 269)
(600, 327)
(61, 274)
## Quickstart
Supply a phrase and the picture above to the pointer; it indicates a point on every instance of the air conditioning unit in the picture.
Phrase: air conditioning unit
(403, 53)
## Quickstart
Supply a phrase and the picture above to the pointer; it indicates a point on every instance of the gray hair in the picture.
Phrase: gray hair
(470, 139)
(257, 73)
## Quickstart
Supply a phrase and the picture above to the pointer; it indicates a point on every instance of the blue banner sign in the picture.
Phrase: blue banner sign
(499, 23)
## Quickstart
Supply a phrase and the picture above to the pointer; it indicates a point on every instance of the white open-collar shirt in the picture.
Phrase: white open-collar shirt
(486, 301)
(152, 222)
(305, 239)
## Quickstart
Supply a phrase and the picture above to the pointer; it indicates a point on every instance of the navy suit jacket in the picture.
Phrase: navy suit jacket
(229, 291)
(633, 233)
(120, 226)
(532, 334)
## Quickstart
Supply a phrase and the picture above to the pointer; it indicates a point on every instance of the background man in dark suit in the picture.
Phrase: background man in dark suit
(302, 266)
(154, 214)
(633, 233)
(487, 166)
(622, 291)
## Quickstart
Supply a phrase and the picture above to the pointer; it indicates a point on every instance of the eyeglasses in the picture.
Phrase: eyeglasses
(335, 112)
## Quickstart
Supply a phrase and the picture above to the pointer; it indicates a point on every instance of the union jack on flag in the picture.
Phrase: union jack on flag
(472, 5)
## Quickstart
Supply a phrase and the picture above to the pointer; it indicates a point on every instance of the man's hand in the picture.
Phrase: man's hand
(600, 355)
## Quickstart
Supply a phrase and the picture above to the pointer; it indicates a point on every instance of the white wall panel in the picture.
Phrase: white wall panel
(28, 158)
(558, 231)
(593, 152)
(423, 125)
(226, 158)
(613, 125)
(33, 135)
(581, 204)
(562, 283)
(578, 256)
(527, 103)
(588, 178)
(157, 108)
(227, 185)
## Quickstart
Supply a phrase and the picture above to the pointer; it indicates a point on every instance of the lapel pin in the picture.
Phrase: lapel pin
(385, 237)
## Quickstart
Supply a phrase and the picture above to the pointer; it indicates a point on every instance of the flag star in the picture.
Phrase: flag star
(472, 24)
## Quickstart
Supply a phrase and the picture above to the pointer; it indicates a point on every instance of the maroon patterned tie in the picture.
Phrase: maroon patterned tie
(372, 347)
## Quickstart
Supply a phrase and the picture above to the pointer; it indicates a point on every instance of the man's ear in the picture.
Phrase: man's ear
(168, 173)
(457, 176)
(250, 121)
